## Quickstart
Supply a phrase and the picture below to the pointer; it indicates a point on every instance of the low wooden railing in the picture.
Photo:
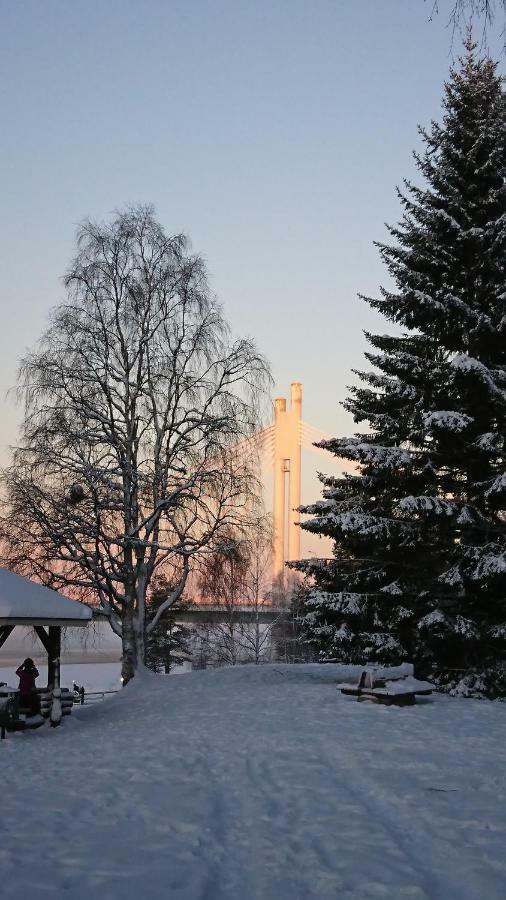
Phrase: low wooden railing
(82, 697)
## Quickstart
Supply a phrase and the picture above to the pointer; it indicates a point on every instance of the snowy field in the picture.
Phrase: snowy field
(257, 784)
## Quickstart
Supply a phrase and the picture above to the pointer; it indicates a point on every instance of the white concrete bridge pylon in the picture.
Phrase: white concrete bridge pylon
(287, 459)
(283, 441)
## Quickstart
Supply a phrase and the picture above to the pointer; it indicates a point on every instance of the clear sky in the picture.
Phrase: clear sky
(273, 132)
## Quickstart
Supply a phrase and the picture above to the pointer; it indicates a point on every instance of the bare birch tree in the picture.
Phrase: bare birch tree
(464, 12)
(236, 579)
(133, 402)
(220, 579)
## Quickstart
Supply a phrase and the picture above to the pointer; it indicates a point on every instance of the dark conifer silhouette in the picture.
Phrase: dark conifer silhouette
(420, 535)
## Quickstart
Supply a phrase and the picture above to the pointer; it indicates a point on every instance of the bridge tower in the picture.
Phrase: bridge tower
(287, 454)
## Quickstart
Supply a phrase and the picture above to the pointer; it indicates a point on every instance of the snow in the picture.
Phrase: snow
(466, 363)
(498, 631)
(488, 565)
(436, 617)
(24, 599)
(451, 577)
(465, 627)
(427, 504)
(258, 783)
(450, 219)
(354, 523)
(457, 624)
(372, 454)
(403, 686)
(394, 589)
(498, 486)
(343, 601)
(463, 363)
(466, 517)
(427, 300)
(491, 440)
(446, 419)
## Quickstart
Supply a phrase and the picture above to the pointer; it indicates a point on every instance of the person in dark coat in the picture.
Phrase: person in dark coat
(27, 674)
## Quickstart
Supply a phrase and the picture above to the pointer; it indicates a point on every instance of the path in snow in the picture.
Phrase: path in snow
(257, 784)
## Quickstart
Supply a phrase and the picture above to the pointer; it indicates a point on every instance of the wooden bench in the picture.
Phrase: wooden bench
(14, 716)
(46, 697)
(9, 714)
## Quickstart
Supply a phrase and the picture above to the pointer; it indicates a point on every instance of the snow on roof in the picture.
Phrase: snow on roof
(21, 598)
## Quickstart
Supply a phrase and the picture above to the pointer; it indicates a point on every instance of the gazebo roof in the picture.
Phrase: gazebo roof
(24, 602)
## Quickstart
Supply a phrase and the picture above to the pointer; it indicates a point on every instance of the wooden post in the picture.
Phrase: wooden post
(5, 631)
(43, 636)
(55, 715)
(51, 640)
(53, 656)
(45, 641)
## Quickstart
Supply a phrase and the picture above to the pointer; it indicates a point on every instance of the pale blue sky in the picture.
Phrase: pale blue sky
(273, 133)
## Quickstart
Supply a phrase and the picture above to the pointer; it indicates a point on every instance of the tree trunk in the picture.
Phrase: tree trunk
(129, 647)
(139, 617)
(140, 639)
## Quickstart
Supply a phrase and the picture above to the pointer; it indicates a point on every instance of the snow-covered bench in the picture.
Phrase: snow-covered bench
(390, 689)
(8, 714)
(12, 715)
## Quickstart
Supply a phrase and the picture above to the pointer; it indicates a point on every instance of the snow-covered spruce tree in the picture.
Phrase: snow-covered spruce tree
(169, 644)
(419, 568)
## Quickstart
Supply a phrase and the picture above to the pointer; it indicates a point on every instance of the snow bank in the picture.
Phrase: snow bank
(257, 783)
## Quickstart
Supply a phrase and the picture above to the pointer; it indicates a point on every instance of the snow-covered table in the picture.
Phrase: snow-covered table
(378, 688)
(9, 709)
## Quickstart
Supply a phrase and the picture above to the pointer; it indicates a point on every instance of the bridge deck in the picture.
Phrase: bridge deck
(205, 613)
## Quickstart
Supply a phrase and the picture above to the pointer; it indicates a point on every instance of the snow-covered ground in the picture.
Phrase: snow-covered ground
(257, 784)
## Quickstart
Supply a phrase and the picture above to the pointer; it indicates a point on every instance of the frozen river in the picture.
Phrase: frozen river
(102, 676)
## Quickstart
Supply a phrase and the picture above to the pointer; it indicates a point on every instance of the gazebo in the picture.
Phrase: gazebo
(24, 602)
